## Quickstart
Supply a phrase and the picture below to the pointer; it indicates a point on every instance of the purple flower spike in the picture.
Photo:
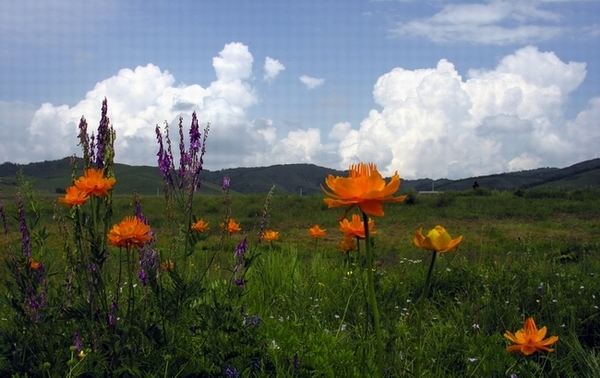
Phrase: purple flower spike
(25, 242)
(143, 277)
(231, 372)
(84, 141)
(241, 248)
(165, 159)
(77, 340)
(225, 184)
(103, 136)
(240, 282)
(195, 136)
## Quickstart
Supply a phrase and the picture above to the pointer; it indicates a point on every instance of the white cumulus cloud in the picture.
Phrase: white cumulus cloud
(141, 98)
(435, 123)
(311, 82)
(429, 122)
(272, 68)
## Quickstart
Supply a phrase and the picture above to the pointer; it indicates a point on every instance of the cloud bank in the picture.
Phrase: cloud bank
(497, 22)
(435, 123)
(429, 122)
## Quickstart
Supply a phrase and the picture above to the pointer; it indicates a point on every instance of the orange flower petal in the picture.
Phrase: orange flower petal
(129, 232)
(529, 339)
(364, 187)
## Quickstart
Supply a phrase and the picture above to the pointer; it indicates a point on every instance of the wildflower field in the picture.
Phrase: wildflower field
(363, 280)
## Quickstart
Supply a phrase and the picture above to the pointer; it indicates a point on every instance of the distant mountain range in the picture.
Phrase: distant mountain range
(54, 176)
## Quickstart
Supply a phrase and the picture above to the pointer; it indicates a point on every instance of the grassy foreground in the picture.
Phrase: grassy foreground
(303, 310)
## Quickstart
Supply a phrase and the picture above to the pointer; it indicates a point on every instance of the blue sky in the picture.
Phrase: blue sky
(428, 88)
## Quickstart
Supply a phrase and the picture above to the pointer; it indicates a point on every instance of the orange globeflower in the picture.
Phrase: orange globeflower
(364, 187)
(232, 226)
(316, 231)
(74, 196)
(200, 226)
(529, 339)
(34, 265)
(270, 235)
(356, 227)
(131, 231)
(347, 245)
(438, 240)
(93, 182)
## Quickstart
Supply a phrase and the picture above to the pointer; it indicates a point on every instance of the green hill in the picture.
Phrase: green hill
(53, 176)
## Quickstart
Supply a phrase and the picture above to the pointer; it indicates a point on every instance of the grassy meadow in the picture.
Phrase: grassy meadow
(303, 310)
(102, 285)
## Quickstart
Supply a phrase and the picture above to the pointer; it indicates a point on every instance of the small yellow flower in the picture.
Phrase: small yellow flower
(200, 226)
(81, 355)
(167, 266)
(316, 231)
(270, 235)
(529, 339)
(437, 239)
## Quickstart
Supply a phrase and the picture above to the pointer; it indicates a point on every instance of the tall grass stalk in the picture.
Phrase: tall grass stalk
(420, 313)
(372, 297)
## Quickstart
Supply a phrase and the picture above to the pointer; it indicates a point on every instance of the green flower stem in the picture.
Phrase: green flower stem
(420, 310)
(372, 298)
(131, 293)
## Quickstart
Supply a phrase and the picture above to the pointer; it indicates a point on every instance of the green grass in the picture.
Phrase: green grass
(532, 253)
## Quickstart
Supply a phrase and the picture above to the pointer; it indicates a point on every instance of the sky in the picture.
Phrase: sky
(428, 88)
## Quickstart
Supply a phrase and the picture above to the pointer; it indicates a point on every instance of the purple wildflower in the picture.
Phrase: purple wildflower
(149, 258)
(92, 150)
(77, 341)
(225, 184)
(143, 277)
(112, 317)
(103, 136)
(184, 157)
(95, 274)
(204, 138)
(194, 136)
(137, 208)
(241, 248)
(84, 140)
(25, 242)
(164, 159)
(240, 282)
(35, 302)
(256, 320)
(231, 372)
